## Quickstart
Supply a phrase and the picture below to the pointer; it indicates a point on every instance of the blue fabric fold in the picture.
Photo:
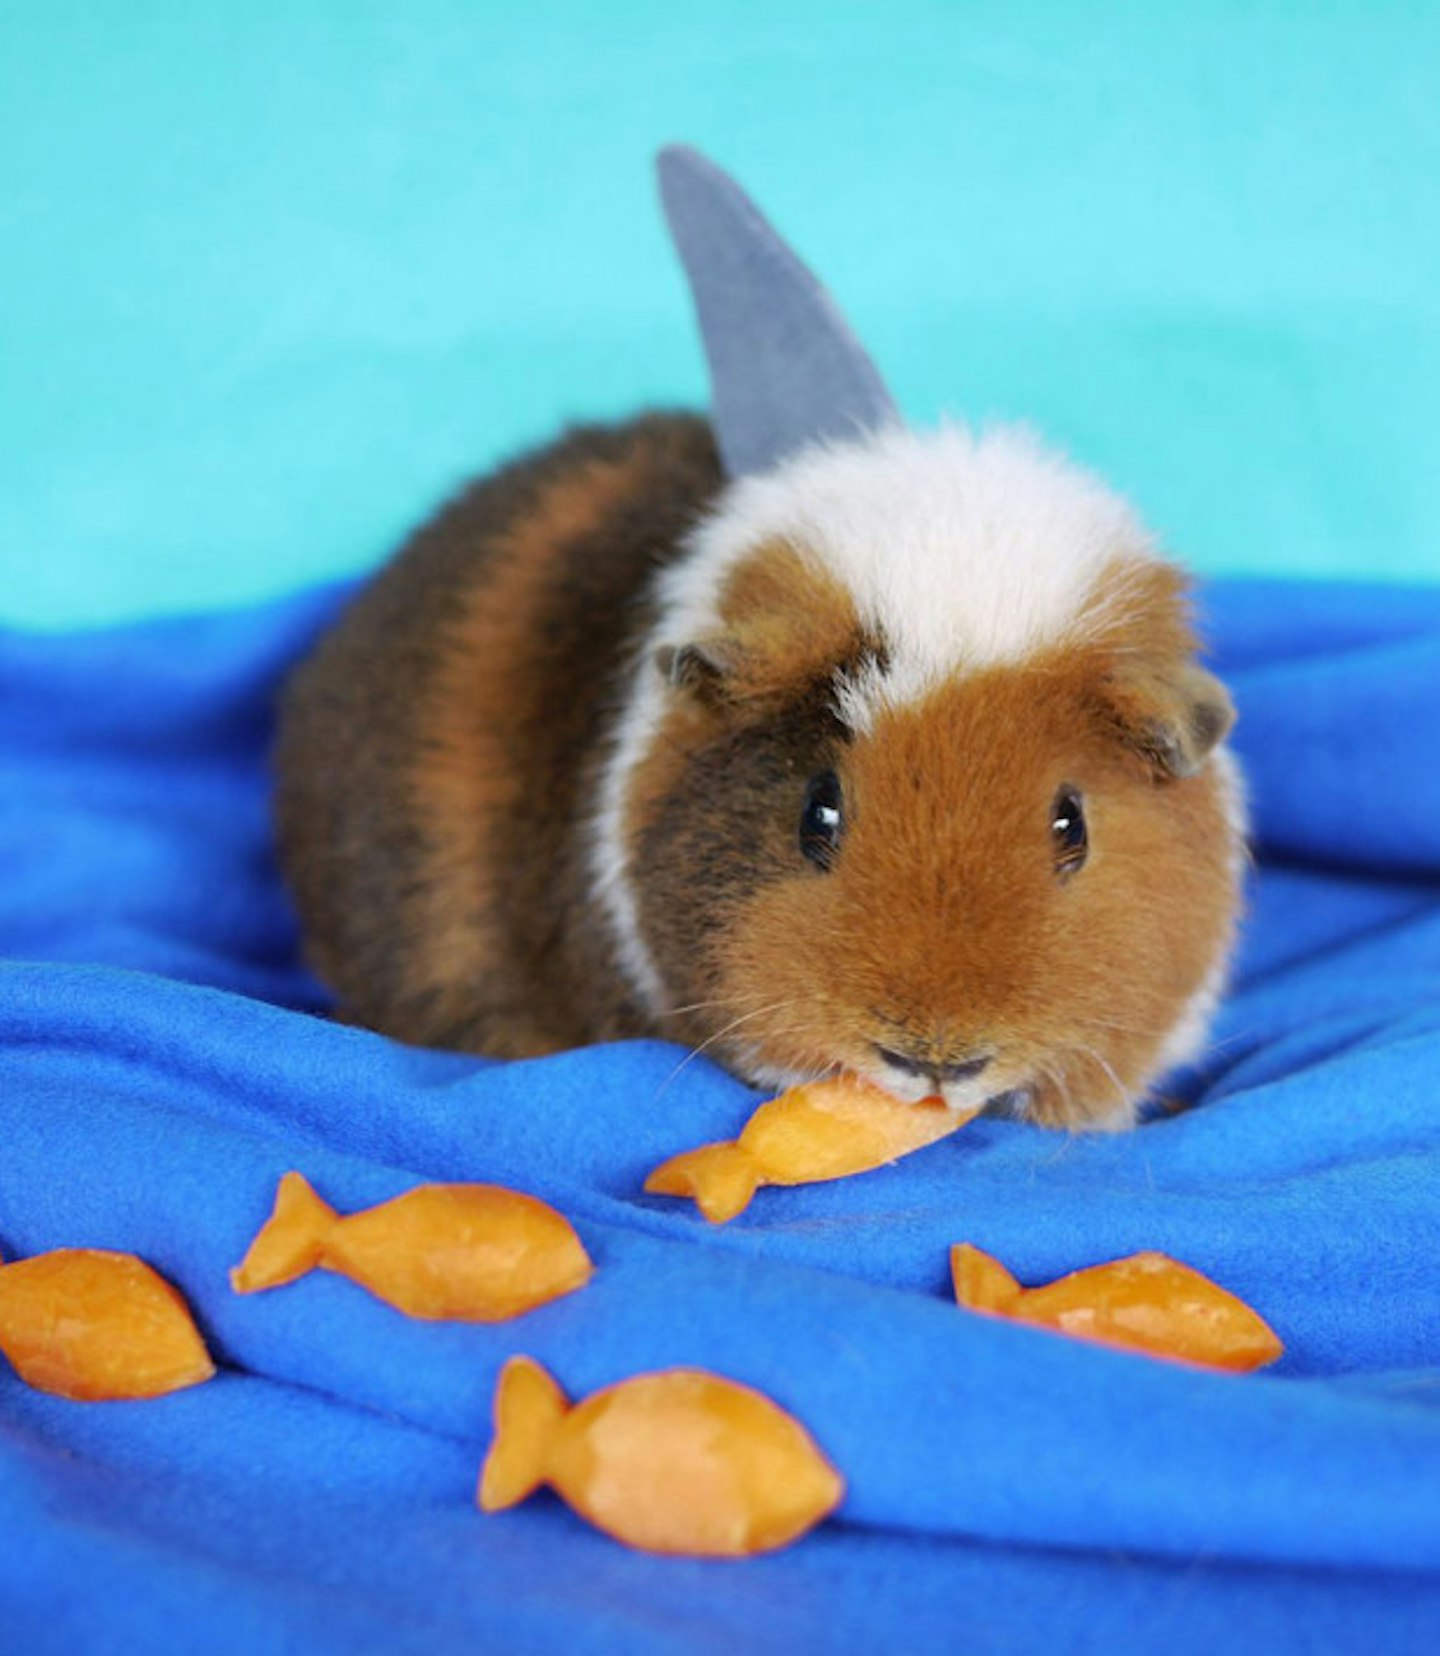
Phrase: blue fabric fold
(165, 1057)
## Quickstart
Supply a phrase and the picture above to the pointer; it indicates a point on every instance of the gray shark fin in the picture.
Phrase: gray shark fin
(785, 367)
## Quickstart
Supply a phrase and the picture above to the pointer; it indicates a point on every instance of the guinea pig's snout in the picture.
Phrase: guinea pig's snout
(934, 1067)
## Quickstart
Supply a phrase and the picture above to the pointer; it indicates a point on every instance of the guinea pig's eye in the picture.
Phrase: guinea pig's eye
(822, 819)
(1068, 835)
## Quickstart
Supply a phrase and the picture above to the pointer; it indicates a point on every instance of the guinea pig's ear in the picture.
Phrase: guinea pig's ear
(702, 668)
(1173, 715)
(782, 623)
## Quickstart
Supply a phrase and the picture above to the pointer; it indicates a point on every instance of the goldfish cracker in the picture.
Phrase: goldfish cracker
(93, 1325)
(676, 1462)
(1147, 1302)
(471, 1252)
(821, 1130)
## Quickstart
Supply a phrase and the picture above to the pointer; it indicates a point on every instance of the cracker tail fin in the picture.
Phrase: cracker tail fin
(529, 1407)
(291, 1240)
(981, 1282)
(722, 1179)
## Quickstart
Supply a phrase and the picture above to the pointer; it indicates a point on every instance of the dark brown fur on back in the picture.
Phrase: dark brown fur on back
(438, 753)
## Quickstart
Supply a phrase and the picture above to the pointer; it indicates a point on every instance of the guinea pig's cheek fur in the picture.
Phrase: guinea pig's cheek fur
(1148, 956)
(783, 957)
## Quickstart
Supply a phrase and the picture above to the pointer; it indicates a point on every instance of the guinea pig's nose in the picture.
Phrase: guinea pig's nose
(963, 1069)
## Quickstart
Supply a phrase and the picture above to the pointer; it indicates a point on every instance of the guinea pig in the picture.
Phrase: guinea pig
(895, 759)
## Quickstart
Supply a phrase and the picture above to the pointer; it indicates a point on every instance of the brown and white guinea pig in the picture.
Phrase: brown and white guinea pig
(894, 759)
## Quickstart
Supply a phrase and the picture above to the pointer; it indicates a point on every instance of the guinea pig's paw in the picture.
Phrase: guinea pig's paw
(1086, 1098)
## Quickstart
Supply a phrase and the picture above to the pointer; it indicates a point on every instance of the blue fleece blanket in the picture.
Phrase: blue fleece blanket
(164, 1058)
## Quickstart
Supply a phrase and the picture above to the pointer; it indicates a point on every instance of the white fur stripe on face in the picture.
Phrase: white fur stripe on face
(610, 844)
(959, 552)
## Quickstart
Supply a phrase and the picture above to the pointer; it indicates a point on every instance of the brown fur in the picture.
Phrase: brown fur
(440, 763)
(438, 750)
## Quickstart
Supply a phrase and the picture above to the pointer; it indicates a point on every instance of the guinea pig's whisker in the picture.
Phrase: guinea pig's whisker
(807, 1062)
(702, 1006)
(1055, 1074)
(1220, 1042)
(759, 1012)
(709, 1041)
(1120, 1028)
(1120, 1088)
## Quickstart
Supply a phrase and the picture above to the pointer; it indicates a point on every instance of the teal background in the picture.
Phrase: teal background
(275, 277)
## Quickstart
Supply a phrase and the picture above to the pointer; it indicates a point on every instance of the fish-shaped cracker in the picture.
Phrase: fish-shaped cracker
(676, 1462)
(821, 1130)
(94, 1325)
(1147, 1302)
(471, 1252)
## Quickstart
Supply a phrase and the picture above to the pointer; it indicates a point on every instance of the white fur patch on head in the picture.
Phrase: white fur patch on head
(959, 550)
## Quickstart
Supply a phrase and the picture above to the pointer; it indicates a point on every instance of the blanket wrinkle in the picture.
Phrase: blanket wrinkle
(165, 1057)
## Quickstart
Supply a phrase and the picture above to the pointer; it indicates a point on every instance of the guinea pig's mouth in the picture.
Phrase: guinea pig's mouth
(1007, 1103)
(969, 1094)
(972, 1097)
